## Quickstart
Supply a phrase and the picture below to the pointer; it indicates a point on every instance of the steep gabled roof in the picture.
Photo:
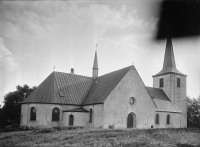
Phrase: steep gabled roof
(169, 65)
(61, 88)
(161, 100)
(103, 86)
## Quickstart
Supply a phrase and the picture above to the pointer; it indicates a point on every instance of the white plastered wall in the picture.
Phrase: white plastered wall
(175, 120)
(97, 116)
(117, 107)
(43, 114)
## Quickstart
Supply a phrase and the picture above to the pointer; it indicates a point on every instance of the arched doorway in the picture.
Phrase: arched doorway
(131, 120)
(71, 120)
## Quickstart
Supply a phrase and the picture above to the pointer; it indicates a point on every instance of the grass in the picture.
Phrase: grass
(54, 137)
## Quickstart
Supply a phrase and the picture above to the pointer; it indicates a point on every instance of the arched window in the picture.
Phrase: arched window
(157, 119)
(71, 120)
(33, 113)
(161, 82)
(168, 119)
(55, 114)
(90, 116)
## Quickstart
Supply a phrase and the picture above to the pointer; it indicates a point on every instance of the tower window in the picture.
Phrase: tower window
(178, 82)
(168, 119)
(157, 119)
(161, 82)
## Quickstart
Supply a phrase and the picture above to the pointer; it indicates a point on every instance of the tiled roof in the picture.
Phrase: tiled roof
(61, 88)
(166, 106)
(157, 93)
(103, 86)
(76, 110)
(161, 100)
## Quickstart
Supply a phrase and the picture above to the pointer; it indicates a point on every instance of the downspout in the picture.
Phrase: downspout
(93, 116)
(61, 116)
(174, 86)
(27, 115)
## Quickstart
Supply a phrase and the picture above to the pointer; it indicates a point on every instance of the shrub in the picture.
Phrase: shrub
(111, 127)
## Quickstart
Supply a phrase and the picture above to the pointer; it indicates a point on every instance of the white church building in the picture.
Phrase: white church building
(118, 99)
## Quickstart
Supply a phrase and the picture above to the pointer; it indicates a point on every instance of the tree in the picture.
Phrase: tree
(193, 112)
(11, 111)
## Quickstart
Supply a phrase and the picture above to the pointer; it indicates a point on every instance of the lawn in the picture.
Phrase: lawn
(102, 137)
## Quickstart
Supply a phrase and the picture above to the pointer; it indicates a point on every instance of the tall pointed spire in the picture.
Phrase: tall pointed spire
(169, 61)
(95, 65)
(169, 65)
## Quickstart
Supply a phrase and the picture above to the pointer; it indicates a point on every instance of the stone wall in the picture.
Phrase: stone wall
(80, 118)
(117, 106)
(176, 94)
(175, 120)
(43, 114)
(97, 116)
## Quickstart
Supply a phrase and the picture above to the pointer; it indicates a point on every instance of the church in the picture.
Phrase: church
(118, 99)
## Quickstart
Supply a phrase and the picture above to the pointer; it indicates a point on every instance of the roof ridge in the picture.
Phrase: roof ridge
(100, 89)
(115, 71)
(72, 74)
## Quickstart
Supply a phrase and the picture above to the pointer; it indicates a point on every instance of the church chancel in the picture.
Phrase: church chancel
(118, 99)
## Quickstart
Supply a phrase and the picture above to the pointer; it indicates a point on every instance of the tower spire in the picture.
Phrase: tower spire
(169, 60)
(169, 65)
(95, 65)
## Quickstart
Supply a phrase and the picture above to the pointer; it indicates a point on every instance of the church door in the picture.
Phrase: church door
(131, 120)
(71, 120)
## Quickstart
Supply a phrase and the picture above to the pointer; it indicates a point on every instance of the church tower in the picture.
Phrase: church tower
(173, 82)
(95, 67)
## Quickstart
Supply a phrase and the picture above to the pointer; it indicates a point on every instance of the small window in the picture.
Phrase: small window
(168, 119)
(161, 82)
(55, 114)
(61, 93)
(90, 116)
(157, 119)
(33, 113)
(178, 82)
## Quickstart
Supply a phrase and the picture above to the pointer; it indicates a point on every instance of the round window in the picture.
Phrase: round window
(132, 100)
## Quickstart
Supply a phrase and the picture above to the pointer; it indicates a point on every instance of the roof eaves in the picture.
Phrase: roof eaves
(160, 74)
(168, 111)
(92, 104)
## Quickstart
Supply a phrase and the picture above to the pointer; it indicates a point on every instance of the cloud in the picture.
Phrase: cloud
(7, 61)
(26, 20)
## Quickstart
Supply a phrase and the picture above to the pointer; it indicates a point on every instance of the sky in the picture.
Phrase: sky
(35, 36)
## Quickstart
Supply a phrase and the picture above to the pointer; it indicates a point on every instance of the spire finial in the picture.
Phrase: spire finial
(96, 47)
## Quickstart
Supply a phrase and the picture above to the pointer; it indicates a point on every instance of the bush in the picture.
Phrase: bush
(111, 127)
